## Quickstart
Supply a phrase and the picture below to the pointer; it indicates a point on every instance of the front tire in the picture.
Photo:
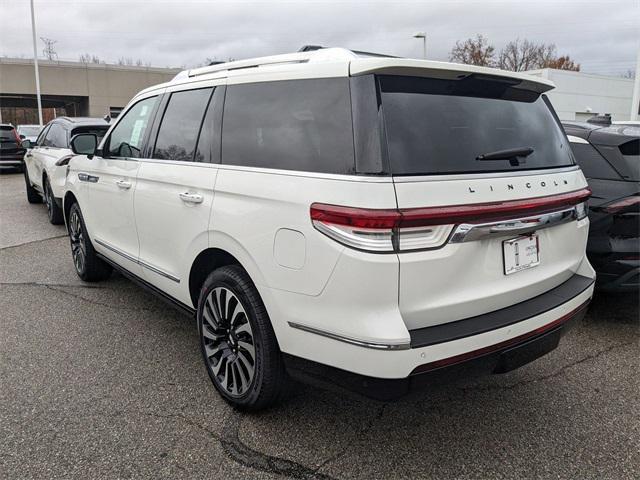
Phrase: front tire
(238, 344)
(54, 212)
(32, 194)
(88, 266)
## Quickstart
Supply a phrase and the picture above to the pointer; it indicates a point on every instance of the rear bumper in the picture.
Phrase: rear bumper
(430, 349)
(501, 357)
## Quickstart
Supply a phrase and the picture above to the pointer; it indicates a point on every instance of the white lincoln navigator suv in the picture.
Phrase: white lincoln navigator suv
(350, 218)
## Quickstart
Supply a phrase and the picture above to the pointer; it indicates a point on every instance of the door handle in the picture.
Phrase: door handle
(191, 197)
(123, 184)
(28, 155)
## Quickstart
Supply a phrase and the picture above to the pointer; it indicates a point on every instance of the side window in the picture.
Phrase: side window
(593, 164)
(292, 124)
(209, 142)
(127, 136)
(178, 132)
(41, 137)
(56, 137)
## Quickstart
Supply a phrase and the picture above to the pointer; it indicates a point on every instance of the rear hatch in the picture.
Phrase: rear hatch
(474, 150)
(9, 142)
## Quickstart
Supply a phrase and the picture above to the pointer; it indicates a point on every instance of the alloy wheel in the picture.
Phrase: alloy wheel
(228, 341)
(76, 236)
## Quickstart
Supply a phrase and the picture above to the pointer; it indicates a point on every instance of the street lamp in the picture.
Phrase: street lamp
(423, 36)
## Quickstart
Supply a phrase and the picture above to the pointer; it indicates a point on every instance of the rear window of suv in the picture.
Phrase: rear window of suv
(436, 126)
(6, 134)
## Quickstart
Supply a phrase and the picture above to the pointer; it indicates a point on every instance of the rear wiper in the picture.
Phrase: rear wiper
(509, 154)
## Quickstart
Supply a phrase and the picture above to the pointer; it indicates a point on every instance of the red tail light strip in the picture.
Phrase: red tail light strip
(463, 357)
(445, 215)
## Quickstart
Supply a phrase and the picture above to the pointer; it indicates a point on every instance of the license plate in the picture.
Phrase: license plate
(520, 254)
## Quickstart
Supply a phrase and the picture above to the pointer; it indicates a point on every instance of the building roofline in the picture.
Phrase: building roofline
(574, 73)
(91, 66)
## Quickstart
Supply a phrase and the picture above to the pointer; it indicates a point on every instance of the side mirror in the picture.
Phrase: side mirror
(84, 144)
(27, 143)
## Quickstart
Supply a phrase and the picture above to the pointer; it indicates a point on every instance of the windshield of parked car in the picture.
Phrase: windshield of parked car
(440, 126)
(29, 131)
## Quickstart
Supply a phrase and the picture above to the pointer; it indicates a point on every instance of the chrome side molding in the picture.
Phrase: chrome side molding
(136, 260)
(351, 340)
(468, 232)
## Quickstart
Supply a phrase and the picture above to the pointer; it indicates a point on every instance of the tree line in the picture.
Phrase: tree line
(517, 55)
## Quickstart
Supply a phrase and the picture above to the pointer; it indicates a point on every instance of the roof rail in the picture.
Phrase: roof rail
(311, 54)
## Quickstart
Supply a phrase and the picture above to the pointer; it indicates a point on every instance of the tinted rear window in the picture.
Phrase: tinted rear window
(438, 126)
(292, 125)
(6, 133)
(593, 164)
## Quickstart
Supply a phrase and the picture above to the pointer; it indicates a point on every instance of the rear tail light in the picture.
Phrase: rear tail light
(401, 230)
(18, 141)
(624, 204)
(581, 210)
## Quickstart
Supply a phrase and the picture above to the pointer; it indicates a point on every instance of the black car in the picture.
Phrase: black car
(610, 159)
(11, 150)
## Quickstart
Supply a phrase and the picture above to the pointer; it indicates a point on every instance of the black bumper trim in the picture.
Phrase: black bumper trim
(446, 332)
(502, 359)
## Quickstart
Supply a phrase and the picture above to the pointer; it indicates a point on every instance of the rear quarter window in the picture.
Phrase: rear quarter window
(436, 126)
(300, 125)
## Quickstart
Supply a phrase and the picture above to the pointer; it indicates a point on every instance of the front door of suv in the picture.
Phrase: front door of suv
(174, 191)
(110, 179)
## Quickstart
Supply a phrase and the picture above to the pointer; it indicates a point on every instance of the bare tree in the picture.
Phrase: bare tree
(473, 51)
(87, 58)
(519, 55)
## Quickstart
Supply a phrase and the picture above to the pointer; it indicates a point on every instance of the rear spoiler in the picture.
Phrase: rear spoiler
(445, 71)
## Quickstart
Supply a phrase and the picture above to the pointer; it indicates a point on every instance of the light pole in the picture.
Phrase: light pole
(35, 63)
(423, 36)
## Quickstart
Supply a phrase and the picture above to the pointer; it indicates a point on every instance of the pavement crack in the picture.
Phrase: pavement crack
(241, 453)
(32, 242)
(557, 373)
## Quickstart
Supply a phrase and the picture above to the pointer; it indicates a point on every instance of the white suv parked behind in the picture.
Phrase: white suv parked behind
(355, 219)
(47, 157)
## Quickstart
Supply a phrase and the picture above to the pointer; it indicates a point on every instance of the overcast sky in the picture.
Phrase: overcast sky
(602, 35)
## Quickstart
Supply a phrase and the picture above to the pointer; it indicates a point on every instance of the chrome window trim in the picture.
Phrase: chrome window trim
(351, 340)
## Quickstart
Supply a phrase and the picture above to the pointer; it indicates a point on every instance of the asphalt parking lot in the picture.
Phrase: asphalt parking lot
(105, 381)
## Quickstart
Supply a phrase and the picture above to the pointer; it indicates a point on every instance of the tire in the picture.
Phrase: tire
(239, 347)
(56, 216)
(88, 266)
(32, 194)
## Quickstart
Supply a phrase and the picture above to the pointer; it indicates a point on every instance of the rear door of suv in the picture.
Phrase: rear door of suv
(461, 150)
(175, 183)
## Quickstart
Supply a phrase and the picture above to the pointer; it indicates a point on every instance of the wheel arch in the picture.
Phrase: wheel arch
(69, 199)
(206, 262)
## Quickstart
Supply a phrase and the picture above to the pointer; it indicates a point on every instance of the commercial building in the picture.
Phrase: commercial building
(579, 96)
(71, 88)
